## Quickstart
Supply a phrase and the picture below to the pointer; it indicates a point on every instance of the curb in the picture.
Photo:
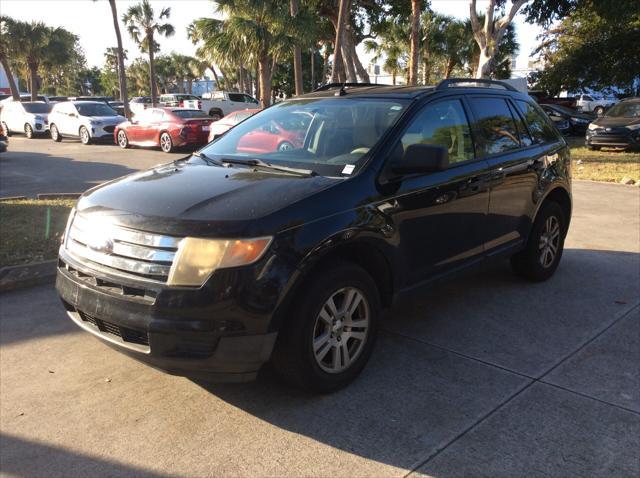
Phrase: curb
(27, 275)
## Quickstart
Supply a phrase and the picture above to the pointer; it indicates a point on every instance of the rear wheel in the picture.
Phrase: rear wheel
(55, 134)
(28, 131)
(166, 144)
(85, 137)
(215, 115)
(540, 258)
(123, 141)
(331, 329)
(285, 146)
(599, 110)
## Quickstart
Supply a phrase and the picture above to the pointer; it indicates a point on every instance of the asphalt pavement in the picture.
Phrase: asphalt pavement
(487, 375)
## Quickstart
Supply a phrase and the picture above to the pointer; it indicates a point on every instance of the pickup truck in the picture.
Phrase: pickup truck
(218, 104)
(589, 104)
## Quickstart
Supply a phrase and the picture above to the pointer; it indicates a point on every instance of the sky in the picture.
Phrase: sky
(92, 22)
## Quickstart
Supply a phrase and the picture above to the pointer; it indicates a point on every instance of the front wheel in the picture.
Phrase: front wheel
(85, 137)
(166, 144)
(598, 110)
(55, 134)
(28, 131)
(5, 128)
(285, 146)
(123, 141)
(329, 335)
(540, 258)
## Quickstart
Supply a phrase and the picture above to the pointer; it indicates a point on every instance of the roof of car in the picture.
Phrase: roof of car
(409, 91)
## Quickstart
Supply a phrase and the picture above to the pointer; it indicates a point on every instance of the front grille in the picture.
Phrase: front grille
(121, 250)
(125, 333)
(109, 129)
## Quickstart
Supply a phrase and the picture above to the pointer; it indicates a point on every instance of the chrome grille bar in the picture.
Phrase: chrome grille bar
(136, 252)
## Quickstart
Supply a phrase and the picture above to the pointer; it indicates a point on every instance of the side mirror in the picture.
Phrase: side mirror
(422, 158)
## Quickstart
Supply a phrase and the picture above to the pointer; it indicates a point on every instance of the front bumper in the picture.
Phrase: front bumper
(179, 331)
(102, 131)
(618, 137)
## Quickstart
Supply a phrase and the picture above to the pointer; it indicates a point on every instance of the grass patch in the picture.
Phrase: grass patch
(31, 229)
(605, 165)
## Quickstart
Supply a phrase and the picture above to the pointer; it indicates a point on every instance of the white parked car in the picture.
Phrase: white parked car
(24, 97)
(591, 104)
(220, 103)
(30, 118)
(87, 120)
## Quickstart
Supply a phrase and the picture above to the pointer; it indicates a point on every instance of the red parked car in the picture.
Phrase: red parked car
(169, 128)
(225, 124)
(277, 135)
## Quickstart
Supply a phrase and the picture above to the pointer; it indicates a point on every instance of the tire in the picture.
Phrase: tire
(285, 146)
(598, 110)
(85, 137)
(123, 140)
(215, 115)
(28, 131)
(310, 320)
(540, 258)
(6, 129)
(166, 143)
(55, 134)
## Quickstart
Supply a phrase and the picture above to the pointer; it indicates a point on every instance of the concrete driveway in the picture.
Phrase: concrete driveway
(484, 376)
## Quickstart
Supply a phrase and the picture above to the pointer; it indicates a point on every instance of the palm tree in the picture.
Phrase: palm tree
(343, 12)
(416, 5)
(297, 53)
(252, 31)
(143, 25)
(121, 56)
(8, 42)
(112, 60)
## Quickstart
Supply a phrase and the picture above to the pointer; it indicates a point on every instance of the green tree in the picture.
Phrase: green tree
(592, 48)
(8, 42)
(143, 26)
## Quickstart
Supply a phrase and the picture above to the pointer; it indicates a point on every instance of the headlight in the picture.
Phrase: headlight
(197, 258)
(633, 127)
(65, 234)
(38, 118)
(95, 123)
(592, 126)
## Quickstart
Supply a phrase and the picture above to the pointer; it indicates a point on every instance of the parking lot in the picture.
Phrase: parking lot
(486, 375)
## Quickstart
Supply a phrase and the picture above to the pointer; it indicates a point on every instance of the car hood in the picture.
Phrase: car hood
(199, 199)
(107, 119)
(612, 122)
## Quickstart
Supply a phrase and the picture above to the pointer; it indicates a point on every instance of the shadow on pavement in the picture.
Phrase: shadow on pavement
(37, 459)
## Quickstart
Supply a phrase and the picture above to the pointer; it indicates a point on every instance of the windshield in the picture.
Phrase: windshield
(326, 135)
(625, 110)
(190, 114)
(95, 109)
(36, 107)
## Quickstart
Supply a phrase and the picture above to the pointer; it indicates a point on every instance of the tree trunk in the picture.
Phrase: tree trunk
(225, 80)
(12, 82)
(337, 51)
(325, 63)
(449, 67)
(347, 61)
(257, 67)
(350, 45)
(426, 66)
(415, 39)
(393, 77)
(152, 72)
(297, 53)
(313, 69)
(215, 75)
(485, 63)
(122, 74)
(33, 80)
(264, 67)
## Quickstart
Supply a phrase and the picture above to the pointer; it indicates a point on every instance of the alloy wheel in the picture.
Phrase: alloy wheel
(549, 241)
(165, 142)
(122, 139)
(84, 135)
(28, 131)
(285, 146)
(341, 330)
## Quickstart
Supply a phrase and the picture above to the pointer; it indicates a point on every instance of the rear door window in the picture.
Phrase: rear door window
(442, 123)
(538, 123)
(496, 127)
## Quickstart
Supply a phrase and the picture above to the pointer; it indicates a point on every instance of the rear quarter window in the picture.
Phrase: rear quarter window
(495, 126)
(538, 123)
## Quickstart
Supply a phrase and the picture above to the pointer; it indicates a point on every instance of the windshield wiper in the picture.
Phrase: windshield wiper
(261, 164)
(207, 159)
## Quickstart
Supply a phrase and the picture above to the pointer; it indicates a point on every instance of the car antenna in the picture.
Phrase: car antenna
(342, 91)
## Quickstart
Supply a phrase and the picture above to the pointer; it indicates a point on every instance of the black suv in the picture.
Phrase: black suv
(619, 127)
(246, 252)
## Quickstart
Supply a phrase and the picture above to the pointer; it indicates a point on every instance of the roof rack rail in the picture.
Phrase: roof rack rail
(328, 86)
(444, 84)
